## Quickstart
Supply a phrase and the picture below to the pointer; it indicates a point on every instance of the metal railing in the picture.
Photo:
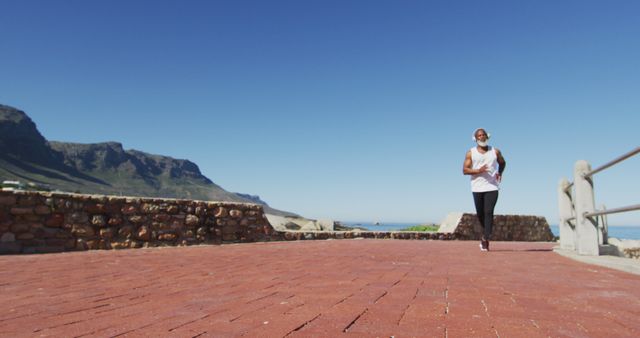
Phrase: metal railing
(580, 227)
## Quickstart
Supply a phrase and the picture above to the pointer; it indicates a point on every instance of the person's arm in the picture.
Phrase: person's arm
(467, 166)
(501, 164)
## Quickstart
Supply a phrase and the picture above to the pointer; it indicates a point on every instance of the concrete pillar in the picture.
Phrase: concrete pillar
(604, 226)
(565, 207)
(586, 230)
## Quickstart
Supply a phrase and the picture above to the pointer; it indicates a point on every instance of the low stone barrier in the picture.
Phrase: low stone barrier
(629, 248)
(505, 228)
(315, 235)
(632, 253)
(39, 222)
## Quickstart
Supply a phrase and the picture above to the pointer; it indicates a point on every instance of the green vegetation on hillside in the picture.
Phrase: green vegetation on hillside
(424, 227)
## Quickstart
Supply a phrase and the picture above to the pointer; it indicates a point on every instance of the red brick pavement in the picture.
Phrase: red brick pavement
(361, 288)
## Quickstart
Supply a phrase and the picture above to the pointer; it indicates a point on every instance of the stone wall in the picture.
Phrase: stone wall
(631, 253)
(505, 228)
(629, 248)
(38, 222)
(319, 235)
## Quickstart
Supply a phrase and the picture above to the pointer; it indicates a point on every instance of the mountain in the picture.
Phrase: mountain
(255, 198)
(101, 168)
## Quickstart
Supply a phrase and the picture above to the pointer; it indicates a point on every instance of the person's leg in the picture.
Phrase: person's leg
(490, 200)
(478, 200)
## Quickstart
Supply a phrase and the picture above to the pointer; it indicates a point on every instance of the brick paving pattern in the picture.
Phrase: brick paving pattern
(360, 288)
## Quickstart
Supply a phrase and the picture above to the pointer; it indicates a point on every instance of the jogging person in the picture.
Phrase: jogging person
(485, 164)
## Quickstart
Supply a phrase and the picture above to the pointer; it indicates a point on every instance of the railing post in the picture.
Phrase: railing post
(586, 230)
(604, 226)
(565, 206)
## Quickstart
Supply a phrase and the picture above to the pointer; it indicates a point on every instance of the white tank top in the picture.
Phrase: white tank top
(486, 181)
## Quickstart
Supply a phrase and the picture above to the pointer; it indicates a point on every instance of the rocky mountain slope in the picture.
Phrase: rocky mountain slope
(101, 168)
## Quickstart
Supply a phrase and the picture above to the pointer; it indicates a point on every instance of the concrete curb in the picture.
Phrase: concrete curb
(617, 263)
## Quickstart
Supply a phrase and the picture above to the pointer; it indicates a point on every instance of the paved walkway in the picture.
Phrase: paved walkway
(360, 288)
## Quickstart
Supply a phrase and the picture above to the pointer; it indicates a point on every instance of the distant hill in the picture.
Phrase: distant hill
(101, 168)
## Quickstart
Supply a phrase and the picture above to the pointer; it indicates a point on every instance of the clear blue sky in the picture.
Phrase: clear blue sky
(351, 110)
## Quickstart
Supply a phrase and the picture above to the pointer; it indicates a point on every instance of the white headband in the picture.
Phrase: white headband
(473, 136)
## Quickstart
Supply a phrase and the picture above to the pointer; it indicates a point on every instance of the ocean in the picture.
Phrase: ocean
(621, 232)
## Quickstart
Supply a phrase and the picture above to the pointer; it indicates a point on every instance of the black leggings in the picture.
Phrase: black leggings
(485, 203)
